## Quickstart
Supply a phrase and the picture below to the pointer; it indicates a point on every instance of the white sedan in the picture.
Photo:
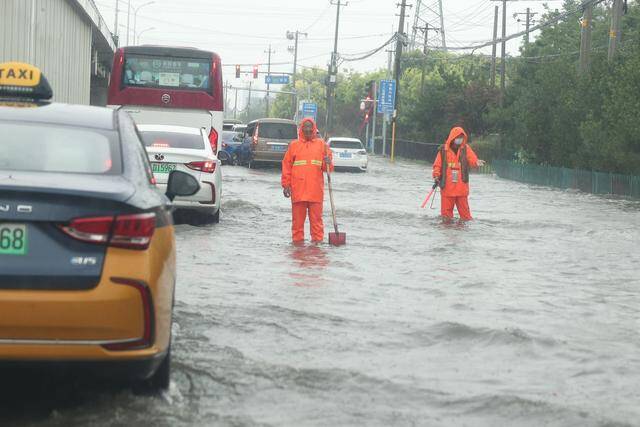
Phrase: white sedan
(349, 153)
(186, 149)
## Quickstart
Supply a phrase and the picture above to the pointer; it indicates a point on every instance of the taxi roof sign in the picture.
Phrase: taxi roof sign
(20, 80)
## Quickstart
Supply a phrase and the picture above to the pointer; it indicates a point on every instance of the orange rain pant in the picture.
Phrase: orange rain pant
(299, 216)
(461, 202)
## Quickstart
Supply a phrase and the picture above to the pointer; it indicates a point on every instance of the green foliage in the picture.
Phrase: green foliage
(551, 114)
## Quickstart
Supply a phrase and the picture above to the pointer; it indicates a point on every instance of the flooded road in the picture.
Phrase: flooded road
(529, 315)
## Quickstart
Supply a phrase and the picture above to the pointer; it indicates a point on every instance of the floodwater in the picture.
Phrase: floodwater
(529, 315)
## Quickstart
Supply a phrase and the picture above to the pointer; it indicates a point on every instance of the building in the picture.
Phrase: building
(67, 39)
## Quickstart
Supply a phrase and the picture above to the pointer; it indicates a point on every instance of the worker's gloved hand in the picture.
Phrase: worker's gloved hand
(436, 181)
(287, 192)
(481, 163)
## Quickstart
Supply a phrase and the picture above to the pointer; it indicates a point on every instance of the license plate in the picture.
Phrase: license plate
(345, 155)
(163, 167)
(278, 148)
(13, 239)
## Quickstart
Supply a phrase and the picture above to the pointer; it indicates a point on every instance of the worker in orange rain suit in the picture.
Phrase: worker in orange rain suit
(452, 174)
(303, 180)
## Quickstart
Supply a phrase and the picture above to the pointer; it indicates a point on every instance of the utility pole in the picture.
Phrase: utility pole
(128, 19)
(269, 76)
(503, 55)
(226, 89)
(585, 38)
(332, 77)
(444, 42)
(115, 30)
(494, 48)
(235, 105)
(528, 21)
(295, 36)
(397, 71)
(249, 102)
(614, 32)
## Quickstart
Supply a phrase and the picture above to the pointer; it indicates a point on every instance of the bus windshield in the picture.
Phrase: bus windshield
(167, 73)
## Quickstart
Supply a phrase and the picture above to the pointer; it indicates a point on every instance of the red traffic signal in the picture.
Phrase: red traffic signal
(255, 71)
(237, 71)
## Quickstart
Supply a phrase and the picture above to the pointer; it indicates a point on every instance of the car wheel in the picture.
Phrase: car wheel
(215, 218)
(234, 159)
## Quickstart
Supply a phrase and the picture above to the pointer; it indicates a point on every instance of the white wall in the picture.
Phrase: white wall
(53, 36)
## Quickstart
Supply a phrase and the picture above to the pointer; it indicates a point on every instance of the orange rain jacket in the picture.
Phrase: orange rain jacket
(303, 165)
(461, 188)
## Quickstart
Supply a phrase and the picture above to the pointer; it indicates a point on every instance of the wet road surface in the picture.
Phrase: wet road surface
(529, 315)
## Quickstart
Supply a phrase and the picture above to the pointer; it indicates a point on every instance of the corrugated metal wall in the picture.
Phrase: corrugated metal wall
(51, 35)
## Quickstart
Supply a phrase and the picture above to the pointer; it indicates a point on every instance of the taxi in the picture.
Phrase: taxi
(87, 250)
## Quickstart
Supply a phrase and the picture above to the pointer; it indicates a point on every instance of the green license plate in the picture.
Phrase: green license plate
(163, 167)
(13, 239)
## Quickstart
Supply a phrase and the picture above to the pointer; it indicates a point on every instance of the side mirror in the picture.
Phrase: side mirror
(181, 184)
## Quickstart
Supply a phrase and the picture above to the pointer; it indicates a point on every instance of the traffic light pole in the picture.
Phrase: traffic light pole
(269, 75)
(375, 113)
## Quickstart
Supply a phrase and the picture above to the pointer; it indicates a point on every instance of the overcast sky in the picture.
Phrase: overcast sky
(241, 30)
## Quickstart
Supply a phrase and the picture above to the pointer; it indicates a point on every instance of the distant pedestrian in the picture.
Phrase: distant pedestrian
(451, 173)
(303, 180)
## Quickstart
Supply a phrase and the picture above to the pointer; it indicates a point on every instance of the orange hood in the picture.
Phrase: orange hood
(456, 132)
(301, 134)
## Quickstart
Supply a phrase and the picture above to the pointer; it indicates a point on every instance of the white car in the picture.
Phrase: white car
(349, 153)
(186, 149)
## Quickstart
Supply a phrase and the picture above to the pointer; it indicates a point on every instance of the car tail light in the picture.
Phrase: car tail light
(133, 231)
(207, 166)
(122, 231)
(148, 317)
(90, 230)
(213, 140)
(255, 134)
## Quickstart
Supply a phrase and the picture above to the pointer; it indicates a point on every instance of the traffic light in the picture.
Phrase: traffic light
(237, 71)
(255, 71)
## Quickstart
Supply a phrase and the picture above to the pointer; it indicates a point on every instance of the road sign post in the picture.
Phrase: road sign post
(386, 105)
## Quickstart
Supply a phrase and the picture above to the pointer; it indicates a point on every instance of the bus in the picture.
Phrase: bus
(169, 86)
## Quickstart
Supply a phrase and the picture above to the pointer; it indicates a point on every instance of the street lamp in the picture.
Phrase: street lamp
(135, 14)
(144, 31)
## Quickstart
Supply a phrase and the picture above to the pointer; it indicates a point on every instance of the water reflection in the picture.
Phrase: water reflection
(309, 262)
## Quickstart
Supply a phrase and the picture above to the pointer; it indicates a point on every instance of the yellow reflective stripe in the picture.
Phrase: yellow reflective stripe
(299, 163)
(316, 162)
(452, 164)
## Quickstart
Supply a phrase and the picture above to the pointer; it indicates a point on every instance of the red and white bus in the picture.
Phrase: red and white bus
(169, 86)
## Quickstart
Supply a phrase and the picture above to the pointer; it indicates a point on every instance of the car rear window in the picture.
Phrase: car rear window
(342, 144)
(172, 140)
(52, 148)
(288, 131)
(228, 136)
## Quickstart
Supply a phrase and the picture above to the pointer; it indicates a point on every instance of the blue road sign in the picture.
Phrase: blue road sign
(310, 109)
(276, 80)
(386, 96)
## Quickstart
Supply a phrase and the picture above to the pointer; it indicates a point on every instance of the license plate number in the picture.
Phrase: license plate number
(278, 148)
(13, 239)
(163, 167)
(345, 155)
